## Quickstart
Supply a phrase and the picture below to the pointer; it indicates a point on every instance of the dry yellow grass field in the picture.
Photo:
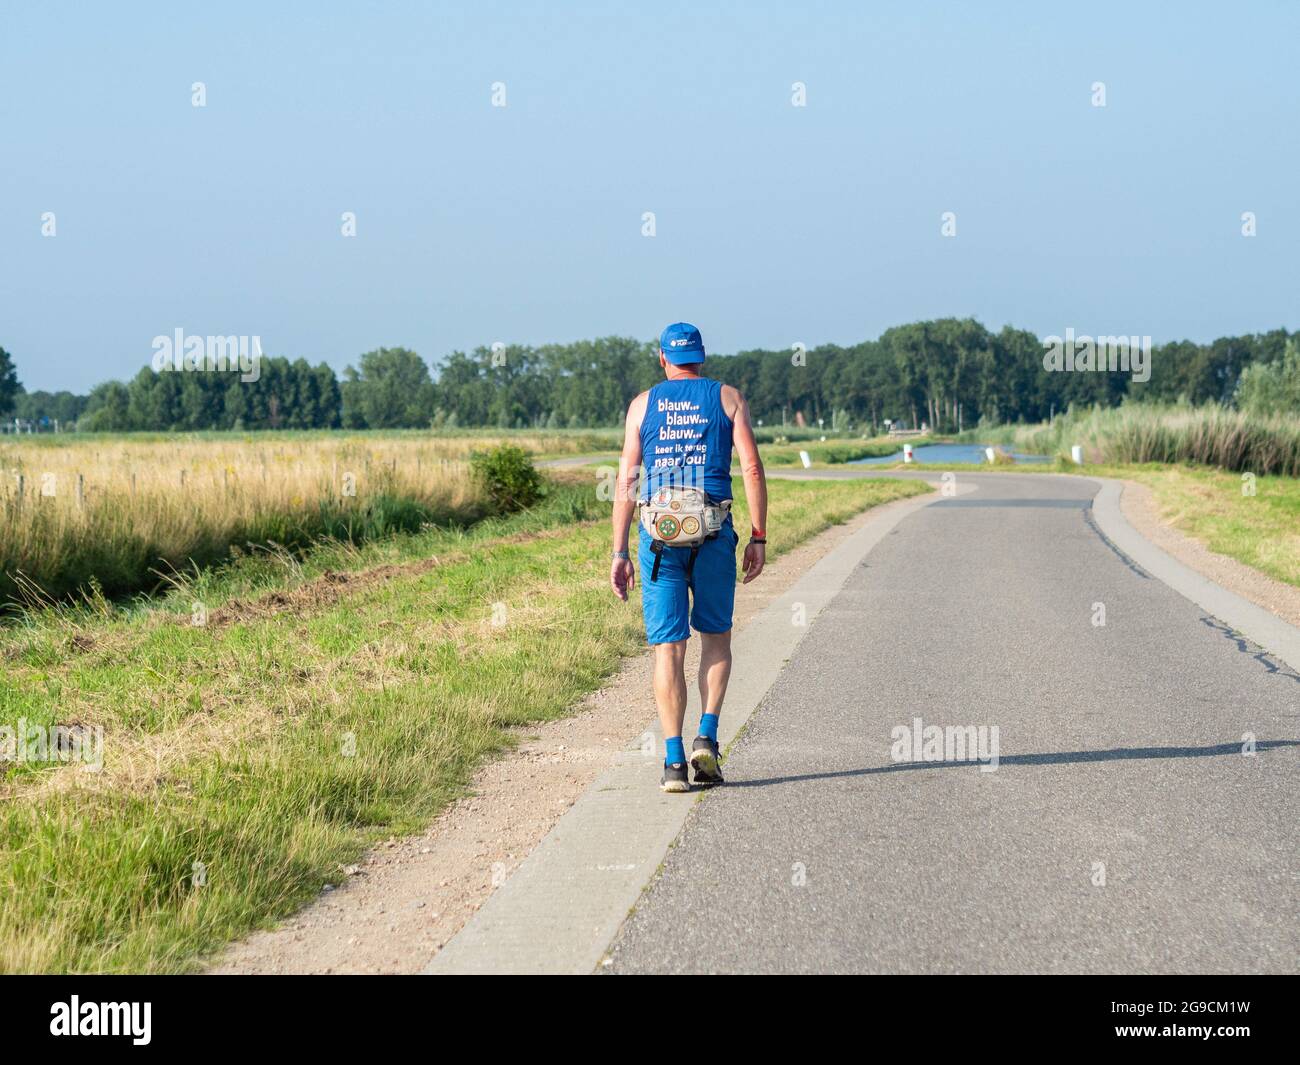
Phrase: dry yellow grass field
(117, 513)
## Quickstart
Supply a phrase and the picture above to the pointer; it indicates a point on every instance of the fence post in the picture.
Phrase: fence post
(81, 490)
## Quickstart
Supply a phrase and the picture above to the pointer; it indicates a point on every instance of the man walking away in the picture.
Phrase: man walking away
(682, 431)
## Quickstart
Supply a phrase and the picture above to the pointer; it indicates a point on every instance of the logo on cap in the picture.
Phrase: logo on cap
(682, 344)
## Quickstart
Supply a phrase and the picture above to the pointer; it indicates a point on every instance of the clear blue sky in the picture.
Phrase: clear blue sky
(775, 224)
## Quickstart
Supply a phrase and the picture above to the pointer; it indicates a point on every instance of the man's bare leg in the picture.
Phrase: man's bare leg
(715, 671)
(670, 686)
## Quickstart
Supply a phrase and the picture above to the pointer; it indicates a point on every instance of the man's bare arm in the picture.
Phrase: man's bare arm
(622, 575)
(751, 468)
(751, 465)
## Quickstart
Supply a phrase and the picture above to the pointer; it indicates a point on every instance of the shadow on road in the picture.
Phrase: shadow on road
(1058, 758)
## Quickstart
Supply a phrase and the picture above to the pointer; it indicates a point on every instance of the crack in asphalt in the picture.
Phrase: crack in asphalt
(1091, 522)
(1251, 650)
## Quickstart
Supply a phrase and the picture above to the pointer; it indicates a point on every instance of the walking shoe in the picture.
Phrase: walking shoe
(674, 778)
(706, 762)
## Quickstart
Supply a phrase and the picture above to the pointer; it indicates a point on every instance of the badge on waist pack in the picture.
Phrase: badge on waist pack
(668, 527)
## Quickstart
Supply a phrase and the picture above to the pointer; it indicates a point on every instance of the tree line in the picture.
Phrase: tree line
(948, 373)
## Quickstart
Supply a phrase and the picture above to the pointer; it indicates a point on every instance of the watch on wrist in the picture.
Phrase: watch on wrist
(623, 555)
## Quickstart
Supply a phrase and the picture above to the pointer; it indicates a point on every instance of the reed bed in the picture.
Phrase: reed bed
(1139, 433)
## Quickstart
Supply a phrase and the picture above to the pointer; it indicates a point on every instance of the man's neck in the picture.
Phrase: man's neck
(677, 372)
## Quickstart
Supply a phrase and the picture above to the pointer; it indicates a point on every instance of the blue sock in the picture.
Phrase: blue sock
(674, 752)
(709, 727)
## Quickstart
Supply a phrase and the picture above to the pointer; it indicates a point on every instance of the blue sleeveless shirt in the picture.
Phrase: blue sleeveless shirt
(686, 438)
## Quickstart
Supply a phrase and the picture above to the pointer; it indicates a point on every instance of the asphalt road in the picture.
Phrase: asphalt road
(1123, 829)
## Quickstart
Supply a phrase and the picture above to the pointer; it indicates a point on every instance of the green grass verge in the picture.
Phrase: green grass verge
(1255, 520)
(261, 752)
(823, 453)
(828, 452)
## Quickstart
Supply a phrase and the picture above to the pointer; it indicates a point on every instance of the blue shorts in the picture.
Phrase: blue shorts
(712, 586)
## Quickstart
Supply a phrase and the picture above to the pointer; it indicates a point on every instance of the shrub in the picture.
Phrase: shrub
(1272, 388)
(508, 477)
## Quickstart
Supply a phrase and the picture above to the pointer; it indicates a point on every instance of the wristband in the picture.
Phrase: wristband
(758, 539)
(757, 534)
(623, 555)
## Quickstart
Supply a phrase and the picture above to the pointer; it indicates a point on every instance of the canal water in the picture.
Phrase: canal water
(938, 454)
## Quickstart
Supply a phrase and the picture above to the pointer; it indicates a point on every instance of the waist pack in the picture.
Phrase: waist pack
(681, 517)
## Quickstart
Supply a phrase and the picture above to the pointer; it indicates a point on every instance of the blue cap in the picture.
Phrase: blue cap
(682, 344)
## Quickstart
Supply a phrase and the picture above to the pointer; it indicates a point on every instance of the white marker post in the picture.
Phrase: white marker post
(1076, 453)
(907, 452)
(988, 452)
(806, 459)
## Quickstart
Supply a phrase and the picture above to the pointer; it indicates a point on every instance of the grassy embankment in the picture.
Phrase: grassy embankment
(326, 702)
(782, 449)
(1261, 530)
